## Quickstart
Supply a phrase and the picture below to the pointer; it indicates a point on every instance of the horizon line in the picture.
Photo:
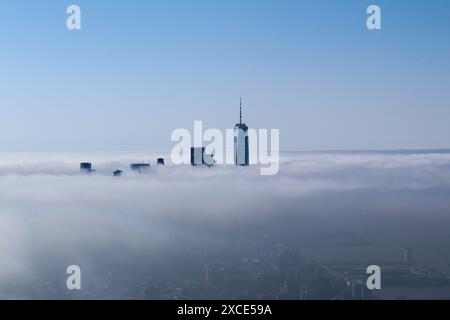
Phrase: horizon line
(345, 150)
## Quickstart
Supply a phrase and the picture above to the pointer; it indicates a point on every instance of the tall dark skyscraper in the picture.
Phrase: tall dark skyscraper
(241, 148)
(197, 156)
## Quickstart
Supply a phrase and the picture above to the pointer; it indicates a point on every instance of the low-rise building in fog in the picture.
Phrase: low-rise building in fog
(140, 167)
(86, 167)
(198, 157)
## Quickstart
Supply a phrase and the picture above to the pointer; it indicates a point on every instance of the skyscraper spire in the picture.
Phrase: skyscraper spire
(240, 111)
(241, 143)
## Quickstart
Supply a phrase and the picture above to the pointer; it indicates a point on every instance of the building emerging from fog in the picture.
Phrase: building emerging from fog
(86, 167)
(140, 167)
(241, 145)
(199, 157)
(197, 154)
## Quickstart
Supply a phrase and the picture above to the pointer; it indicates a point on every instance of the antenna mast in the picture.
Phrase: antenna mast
(240, 111)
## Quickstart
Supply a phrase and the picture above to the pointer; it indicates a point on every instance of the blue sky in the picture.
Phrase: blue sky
(140, 69)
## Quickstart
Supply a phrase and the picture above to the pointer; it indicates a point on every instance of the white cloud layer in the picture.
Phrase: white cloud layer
(52, 216)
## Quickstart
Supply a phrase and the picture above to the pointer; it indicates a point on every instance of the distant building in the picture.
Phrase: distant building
(86, 167)
(408, 255)
(117, 173)
(139, 167)
(198, 157)
(241, 144)
(359, 290)
(160, 162)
